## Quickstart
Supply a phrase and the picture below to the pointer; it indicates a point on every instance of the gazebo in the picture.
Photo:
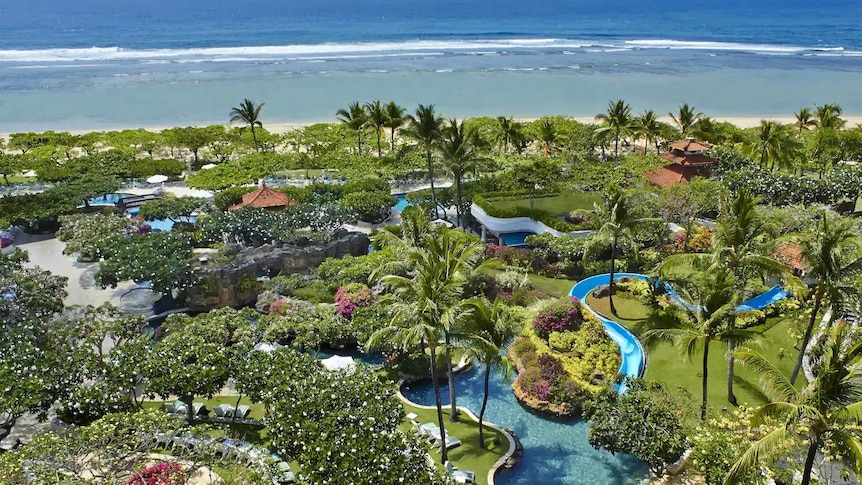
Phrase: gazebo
(687, 161)
(264, 198)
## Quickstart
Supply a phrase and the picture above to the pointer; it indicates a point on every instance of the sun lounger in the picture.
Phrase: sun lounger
(451, 442)
(224, 410)
(459, 476)
(164, 440)
(242, 411)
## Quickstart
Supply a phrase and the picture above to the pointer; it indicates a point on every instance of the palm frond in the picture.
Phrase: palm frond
(776, 385)
(763, 449)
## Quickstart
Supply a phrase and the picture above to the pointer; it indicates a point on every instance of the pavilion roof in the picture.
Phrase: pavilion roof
(264, 198)
(688, 159)
(673, 174)
(689, 145)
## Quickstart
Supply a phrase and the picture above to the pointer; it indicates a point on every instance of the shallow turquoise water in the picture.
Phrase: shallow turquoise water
(402, 203)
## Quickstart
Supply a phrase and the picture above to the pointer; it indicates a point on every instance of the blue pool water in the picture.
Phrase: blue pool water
(159, 224)
(108, 199)
(554, 452)
(514, 238)
(402, 203)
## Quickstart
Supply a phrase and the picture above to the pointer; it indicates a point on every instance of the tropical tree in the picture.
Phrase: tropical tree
(648, 127)
(775, 142)
(424, 129)
(546, 134)
(377, 118)
(396, 117)
(804, 120)
(686, 118)
(829, 116)
(249, 114)
(495, 327)
(708, 315)
(617, 121)
(506, 132)
(828, 410)
(831, 254)
(459, 148)
(354, 118)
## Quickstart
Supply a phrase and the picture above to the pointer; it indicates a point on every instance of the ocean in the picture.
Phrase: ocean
(88, 64)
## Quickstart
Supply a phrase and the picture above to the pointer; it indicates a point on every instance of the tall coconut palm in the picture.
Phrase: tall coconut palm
(375, 113)
(546, 134)
(775, 143)
(424, 128)
(355, 118)
(648, 127)
(829, 116)
(618, 121)
(739, 244)
(708, 316)
(248, 113)
(459, 148)
(804, 120)
(396, 117)
(828, 410)
(685, 118)
(507, 132)
(495, 327)
(831, 253)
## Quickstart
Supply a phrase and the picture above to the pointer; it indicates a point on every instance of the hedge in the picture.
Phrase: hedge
(485, 201)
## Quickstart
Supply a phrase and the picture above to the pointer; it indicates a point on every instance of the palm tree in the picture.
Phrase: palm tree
(248, 113)
(618, 121)
(424, 128)
(686, 118)
(830, 252)
(708, 316)
(829, 116)
(396, 116)
(805, 120)
(460, 150)
(507, 132)
(738, 241)
(494, 326)
(826, 411)
(546, 134)
(618, 223)
(375, 114)
(648, 127)
(774, 143)
(355, 118)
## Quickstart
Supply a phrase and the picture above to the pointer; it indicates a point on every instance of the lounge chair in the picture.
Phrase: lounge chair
(170, 408)
(224, 410)
(228, 447)
(459, 476)
(451, 442)
(241, 412)
(200, 409)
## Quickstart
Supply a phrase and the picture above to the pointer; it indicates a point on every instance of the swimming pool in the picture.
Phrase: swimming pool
(159, 224)
(108, 199)
(514, 238)
(402, 203)
(555, 452)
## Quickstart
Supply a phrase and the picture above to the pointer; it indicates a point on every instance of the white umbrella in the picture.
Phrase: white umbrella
(339, 363)
(266, 347)
(157, 179)
(209, 166)
(30, 174)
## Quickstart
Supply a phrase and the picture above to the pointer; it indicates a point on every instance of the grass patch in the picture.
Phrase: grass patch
(552, 286)
(469, 456)
(671, 365)
(559, 205)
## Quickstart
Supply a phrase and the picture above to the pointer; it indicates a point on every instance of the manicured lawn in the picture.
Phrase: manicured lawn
(670, 364)
(551, 286)
(468, 456)
(558, 206)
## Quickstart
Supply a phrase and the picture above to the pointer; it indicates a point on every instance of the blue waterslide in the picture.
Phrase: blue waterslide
(763, 300)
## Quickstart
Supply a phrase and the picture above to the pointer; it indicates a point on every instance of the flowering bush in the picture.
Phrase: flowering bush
(170, 473)
(565, 314)
(352, 296)
(699, 241)
(749, 318)
(518, 257)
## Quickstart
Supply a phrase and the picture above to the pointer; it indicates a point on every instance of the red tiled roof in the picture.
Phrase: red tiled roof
(264, 198)
(791, 255)
(673, 174)
(690, 145)
(694, 159)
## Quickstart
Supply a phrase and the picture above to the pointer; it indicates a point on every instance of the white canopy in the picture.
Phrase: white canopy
(209, 166)
(339, 363)
(266, 347)
(157, 179)
(30, 174)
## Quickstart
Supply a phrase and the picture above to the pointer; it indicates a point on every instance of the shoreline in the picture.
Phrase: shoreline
(287, 126)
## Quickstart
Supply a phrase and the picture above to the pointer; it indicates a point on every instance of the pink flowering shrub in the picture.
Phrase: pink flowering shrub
(279, 307)
(518, 257)
(352, 296)
(563, 315)
(170, 473)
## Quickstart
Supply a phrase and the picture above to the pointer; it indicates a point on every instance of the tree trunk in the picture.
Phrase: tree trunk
(392, 144)
(379, 153)
(453, 409)
(254, 137)
(431, 177)
(458, 196)
(359, 142)
(611, 285)
(730, 363)
(705, 373)
(484, 404)
(809, 461)
(190, 412)
(443, 452)
(617, 148)
(818, 300)
(235, 406)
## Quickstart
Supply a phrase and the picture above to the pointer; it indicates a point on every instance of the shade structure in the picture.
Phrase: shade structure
(157, 179)
(209, 166)
(30, 174)
(266, 347)
(339, 363)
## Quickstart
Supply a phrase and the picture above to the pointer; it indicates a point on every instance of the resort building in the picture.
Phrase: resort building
(687, 161)
(264, 198)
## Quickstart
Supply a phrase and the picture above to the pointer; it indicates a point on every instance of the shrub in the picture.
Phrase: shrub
(285, 285)
(522, 346)
(518, 257)
(167, 473)
(318, 291)
(145, 167)
(372, 206)
(551, 368)
(88, 403)
(352, 296)
(750, 318)
(562, 315)
(523, 296)
(564, 342)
